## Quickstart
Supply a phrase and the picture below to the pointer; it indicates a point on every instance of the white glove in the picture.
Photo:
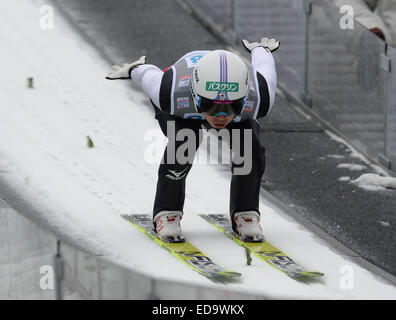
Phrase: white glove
(268, 44)
(124, 72)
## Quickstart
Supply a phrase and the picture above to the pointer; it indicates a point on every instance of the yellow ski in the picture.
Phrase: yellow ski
(264, 250)
(185, 252)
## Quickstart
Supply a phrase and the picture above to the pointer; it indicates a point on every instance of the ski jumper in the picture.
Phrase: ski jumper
(170, 94)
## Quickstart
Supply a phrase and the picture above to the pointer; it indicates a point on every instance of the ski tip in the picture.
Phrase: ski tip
(233, 274)
(306, 275)
(224, 276)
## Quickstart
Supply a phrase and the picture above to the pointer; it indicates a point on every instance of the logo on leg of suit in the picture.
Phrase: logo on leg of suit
(176, 175)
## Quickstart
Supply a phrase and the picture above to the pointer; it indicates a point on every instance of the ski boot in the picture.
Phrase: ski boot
(247, 224)
(167, 226)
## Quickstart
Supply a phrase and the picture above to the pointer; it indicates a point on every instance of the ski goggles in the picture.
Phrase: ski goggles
(216, 107)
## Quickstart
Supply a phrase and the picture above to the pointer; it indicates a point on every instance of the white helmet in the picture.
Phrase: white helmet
(220, 76)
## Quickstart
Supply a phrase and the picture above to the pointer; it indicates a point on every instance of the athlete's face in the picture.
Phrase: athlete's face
(219, 122)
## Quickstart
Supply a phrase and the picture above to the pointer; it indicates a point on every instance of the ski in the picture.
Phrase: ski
(264, 250)
(184, 251)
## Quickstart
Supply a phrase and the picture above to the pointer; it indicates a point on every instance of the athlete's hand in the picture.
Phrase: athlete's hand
(269, 44)
(124, 72)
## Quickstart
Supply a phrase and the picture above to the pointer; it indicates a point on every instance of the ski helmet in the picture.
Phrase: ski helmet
(220, 77)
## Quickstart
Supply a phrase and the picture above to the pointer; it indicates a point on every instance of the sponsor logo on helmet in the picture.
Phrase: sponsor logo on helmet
(195, 59)
(222, 86)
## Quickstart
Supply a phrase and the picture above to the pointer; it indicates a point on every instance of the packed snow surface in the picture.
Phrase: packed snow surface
(373, 181)
(81, 191)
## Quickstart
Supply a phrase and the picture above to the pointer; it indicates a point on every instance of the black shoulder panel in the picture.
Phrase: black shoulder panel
(264, 96)
(165, 91)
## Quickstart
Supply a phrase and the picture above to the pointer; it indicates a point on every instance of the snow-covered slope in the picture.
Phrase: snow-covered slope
(80, 192)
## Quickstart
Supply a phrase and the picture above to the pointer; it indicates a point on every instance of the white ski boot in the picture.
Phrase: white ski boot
(247, 224)
(167, 226)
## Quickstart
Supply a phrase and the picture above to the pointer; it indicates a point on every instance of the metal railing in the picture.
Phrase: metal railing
(344, 75)
(347, 79)
(390, 111)
(26, 258)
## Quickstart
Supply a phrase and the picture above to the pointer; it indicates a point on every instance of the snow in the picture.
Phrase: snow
(378, 180)
(344, 179)
(384, 223)
(351, 166)
(81, 191)
(353, 152)
(373, 181)
(335, 156)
